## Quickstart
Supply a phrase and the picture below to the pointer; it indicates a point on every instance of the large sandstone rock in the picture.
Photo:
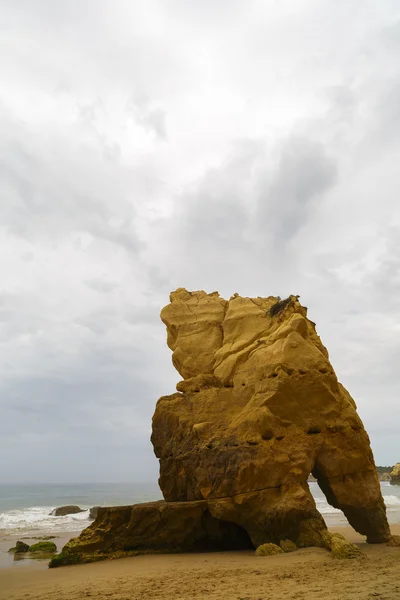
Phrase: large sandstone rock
(395, 475)
(152, 528)
(259, 408)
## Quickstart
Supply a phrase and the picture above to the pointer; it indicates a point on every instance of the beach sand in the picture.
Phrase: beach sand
(307, 574)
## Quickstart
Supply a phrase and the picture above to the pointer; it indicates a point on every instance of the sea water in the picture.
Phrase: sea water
(333, 516)
(25, 509)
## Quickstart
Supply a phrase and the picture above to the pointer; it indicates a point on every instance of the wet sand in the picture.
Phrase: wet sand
(307, 574)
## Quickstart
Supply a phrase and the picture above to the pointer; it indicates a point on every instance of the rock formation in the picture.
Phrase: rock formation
(62, 511)
(38, 548)
(259, 408)
(93, 512)
(19, 548)
(395, 475)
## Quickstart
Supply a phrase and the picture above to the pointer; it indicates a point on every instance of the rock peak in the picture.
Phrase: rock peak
(209, 334)
(260, 408)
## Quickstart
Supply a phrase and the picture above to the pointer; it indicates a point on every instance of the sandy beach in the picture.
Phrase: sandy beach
(307, 574)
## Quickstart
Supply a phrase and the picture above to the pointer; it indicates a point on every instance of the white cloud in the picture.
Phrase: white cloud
(248, 147)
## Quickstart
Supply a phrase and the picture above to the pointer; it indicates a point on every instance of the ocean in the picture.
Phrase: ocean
(25, 509)
(332, 516)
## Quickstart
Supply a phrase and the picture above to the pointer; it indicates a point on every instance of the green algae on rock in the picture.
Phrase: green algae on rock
(268, 550)
(342, 549)
(43, 547)
(287, 545)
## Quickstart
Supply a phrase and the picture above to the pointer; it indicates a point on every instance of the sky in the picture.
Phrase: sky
(248, 146)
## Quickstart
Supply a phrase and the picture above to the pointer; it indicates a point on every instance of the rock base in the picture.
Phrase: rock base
(151, 528)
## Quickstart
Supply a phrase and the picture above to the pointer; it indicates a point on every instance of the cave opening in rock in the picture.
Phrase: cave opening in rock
(221, 535)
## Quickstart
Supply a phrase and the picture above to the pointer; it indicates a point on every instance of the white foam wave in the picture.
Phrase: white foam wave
(324, 508)
(39, 520)
(392, 501)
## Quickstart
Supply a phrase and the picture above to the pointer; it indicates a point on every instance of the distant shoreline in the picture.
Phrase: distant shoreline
(383, 474)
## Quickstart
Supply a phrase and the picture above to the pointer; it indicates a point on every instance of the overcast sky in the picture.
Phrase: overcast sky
(248, 146)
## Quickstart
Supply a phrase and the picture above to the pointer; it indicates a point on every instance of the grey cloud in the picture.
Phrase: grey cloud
(99, 322)
(208, 12)
(391, 36)
(147, 146)
(303, 174)
(28, 256)
(143, 315)
(388, 113)
(101, 401)
(151, 117)
(382, 283)
(20, 314)
(155, 120)
(102, 285)
(343, 105)
(62, 199)
(216, 212)
(247, 212)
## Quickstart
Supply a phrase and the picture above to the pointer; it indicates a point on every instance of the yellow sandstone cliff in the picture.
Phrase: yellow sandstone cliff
(258, 409)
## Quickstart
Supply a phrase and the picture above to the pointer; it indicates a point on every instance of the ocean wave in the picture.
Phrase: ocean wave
(38, 519)
(392, 501)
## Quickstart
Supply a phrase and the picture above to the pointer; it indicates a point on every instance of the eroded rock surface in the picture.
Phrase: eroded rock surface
(153, 527)
(259, 408)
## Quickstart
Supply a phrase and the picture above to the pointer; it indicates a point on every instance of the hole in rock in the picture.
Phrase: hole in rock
(302, 372)
(313, 430)
(327, 503)
(221, 535)
(323, 371)
(243, 384)
(274, 375)
(196, 391)
(280, 437)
